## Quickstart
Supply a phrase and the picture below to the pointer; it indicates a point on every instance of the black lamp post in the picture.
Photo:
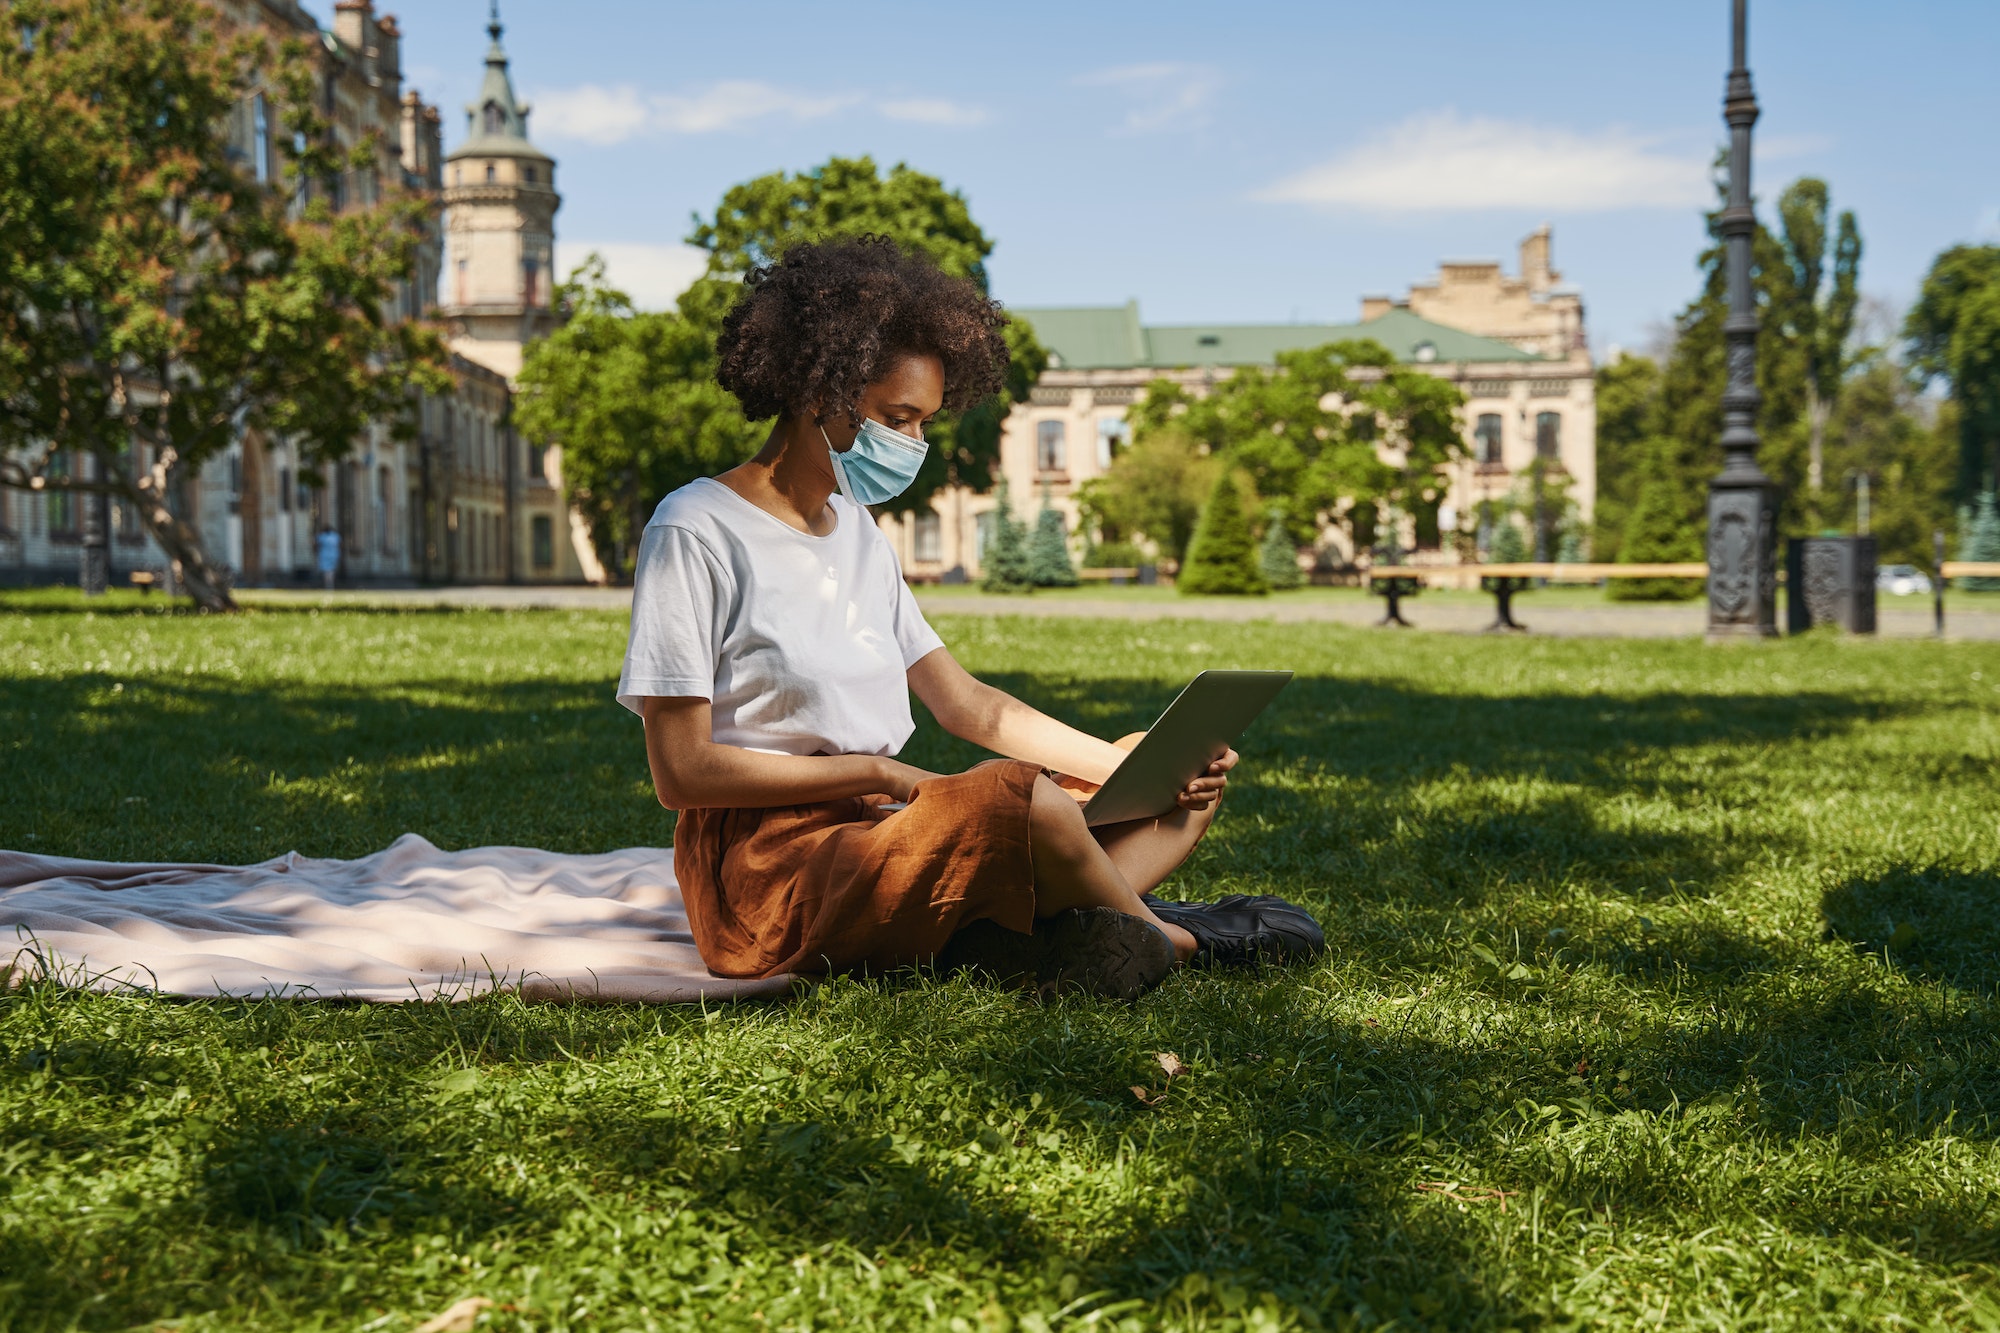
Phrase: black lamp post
(1742, 500)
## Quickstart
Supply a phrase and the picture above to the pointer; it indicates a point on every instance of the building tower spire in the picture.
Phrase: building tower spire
(500, 204)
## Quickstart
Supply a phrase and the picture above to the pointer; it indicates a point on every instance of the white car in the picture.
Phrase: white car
(1901, 580)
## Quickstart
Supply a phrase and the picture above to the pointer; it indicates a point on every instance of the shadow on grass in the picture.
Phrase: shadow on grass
(1296, 1181)
(1933, 923)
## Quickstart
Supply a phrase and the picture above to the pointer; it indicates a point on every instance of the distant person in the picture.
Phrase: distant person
(774, 648)
(329, 555)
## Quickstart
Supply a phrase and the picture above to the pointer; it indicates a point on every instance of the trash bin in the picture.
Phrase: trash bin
(1830, 581)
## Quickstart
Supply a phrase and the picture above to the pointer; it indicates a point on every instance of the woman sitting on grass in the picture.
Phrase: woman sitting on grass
(774, 648)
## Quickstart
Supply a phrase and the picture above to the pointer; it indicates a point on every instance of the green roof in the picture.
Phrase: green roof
(1112, 338)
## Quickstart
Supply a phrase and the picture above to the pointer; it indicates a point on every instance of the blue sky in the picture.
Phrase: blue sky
(1255, 162)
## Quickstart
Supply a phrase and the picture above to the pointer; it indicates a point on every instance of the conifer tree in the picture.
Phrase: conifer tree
(1278, 557)
(1509, 545)
(1979, 539)
(1222, 558)
(1657, 532)
(1048, 551)
(1005, 566)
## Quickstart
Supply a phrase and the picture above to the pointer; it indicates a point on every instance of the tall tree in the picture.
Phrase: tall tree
(1155, 488)
(1222, 558)
(1907, 448)
(1628, 422)
(1689, 426)
(156, 302)
(1954, 335)
(1820, 322)
(631, 398)
(1338, 433)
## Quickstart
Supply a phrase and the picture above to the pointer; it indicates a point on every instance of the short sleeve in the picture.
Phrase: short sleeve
(680, 595)
(914, 634)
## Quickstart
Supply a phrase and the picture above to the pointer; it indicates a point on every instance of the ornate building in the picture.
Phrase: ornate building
(1515, 346)
(467, 500)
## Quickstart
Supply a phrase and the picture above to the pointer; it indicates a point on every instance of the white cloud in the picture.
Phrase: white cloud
(1165, 94)
(590, 113)
(600, 115)
(1444, 162)
(935, 111)
(652, 275)
(736, 102)
(596, 114)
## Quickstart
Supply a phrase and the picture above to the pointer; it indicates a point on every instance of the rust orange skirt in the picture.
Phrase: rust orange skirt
(835, 887)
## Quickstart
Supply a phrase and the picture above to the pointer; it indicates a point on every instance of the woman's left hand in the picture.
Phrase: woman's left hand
(1206, 790)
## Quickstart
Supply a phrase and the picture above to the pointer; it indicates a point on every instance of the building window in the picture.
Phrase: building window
(260, 144)
(1548, 435)
(530, 275)
(982, 533)
(1113, 434)
(528, 174)
(543, 530)
(496, 123)
(464, 282)
(538, 464)
(928, 545)
(1051, 450)
(384, 511)
(1487, 437)
(284, 490)
(492, 173)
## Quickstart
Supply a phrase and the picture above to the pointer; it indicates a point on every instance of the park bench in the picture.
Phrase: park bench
(1395, 582)
(145, 580)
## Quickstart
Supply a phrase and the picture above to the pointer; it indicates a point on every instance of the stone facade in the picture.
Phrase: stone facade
(466, 499)
(1514, 345)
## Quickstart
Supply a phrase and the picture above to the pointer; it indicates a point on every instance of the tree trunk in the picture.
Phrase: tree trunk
(193, 572)
(1817, 411)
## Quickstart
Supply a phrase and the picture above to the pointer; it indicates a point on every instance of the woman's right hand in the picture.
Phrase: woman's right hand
(900, 779)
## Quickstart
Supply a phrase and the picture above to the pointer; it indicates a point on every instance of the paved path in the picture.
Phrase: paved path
(1460, 616)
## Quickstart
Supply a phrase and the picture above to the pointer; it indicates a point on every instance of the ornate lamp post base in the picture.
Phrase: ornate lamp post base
(1742, 557)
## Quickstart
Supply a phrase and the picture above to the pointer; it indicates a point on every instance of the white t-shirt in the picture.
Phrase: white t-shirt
(799, 643)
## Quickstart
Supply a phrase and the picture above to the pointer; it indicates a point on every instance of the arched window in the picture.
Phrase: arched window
(495, 119)
(1051, 447)
(492, 173)
(1487, 434)
(1548, 435)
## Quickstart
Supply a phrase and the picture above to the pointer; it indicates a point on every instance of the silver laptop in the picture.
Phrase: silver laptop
(1207, 718)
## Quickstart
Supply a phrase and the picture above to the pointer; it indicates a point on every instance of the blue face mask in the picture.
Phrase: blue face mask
(880, 465)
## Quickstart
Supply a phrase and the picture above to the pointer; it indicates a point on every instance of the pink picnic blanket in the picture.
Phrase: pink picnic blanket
(407, 923)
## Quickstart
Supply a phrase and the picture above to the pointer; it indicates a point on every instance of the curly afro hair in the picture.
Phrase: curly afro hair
(816, 327)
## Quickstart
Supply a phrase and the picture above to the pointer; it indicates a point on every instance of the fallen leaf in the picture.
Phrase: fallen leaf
(1171, 1063)
(1147, 1098)
(459, 1318)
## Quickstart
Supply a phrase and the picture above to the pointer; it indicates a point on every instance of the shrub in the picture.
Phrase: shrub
(1222, 557)
(1005, 567)
(1048, 550)
(1278, 557)
(1114, 555)
(1657, 531)
(1509, 546)
(1979, 539)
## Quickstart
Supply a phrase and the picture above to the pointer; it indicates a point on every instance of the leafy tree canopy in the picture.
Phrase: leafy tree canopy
(629, 396)
(1336, 433)
(1954, 335)
(156, 302)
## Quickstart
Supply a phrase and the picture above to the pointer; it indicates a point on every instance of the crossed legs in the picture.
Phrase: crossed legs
(1078, 867)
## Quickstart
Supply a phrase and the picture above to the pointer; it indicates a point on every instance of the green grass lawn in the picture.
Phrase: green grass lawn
(1662, 990)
